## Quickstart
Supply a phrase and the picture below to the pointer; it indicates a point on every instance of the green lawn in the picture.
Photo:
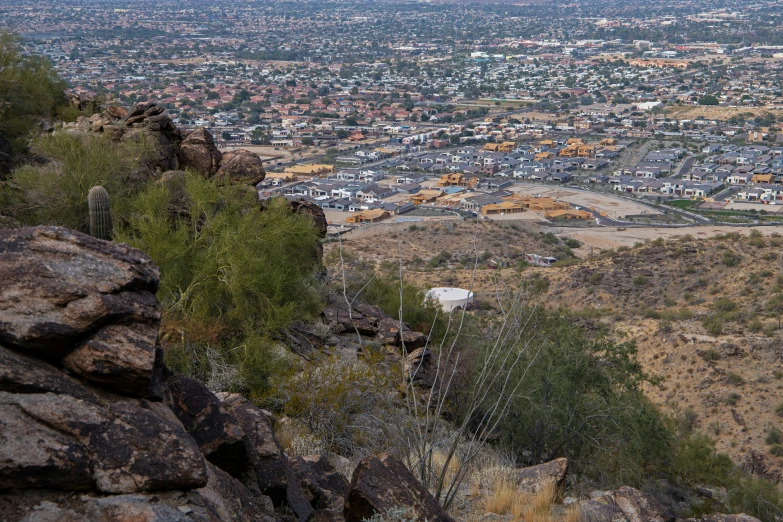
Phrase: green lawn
(682, 203)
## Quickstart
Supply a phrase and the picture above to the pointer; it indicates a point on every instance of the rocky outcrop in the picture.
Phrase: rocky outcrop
(324, 488)
(271, 470)
(94, 427)
(85, 302)
(532, 479)
(316, 213)
(371, 322)
(218, 434)
(383, 483)
(98, 430)
(173, 150)
(241, 166)
(199, 153)
(625, 505)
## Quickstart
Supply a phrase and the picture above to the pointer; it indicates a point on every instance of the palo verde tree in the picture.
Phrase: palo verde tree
(29, 91)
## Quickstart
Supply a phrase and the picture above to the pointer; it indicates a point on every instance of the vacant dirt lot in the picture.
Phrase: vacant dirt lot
(605, 237)
(613, 206)
(718, 113)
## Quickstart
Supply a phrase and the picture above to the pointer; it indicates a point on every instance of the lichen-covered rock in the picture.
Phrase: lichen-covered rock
(198, 152)
(140, 451)
(229, 500)
(532, 479)
(316, 213)
(272, 473)
(22, 374)
(34, 455)
(382, 483)
(324, 488)
(59, 284)
(597, 511)
(67, 294)
(641, 507)
(123, 357)
(241, 166)
(219, 436)
(418, 368)
(127, 447)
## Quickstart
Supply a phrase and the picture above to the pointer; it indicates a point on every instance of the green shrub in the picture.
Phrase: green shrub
(723, 304)
(779, 409)
(640, 280)
(711, 354)
(776, 450)
(732, 399)
(230, 280)
(30, 90)
(537, 285)
(56, 193)
(774, 436)
(713, 324)
(730, 258)
(735, 379)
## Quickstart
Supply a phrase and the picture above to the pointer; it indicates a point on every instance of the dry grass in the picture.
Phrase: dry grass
(439, 462)
(504, 498)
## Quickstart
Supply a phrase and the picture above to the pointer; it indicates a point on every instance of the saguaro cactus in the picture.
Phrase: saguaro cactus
(100, 214)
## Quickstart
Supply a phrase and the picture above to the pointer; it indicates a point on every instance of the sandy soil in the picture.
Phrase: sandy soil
(754, 206)
(606, 237)
(612, 205)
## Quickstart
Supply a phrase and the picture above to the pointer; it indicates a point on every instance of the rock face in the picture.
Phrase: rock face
(272, 474)
(242, 166)
(94, 427)
(198, 152)
(72, 302)
(219, 436)
(382, 483)
(625, 505)
(532, 479)
(308, 208)
(90, 303)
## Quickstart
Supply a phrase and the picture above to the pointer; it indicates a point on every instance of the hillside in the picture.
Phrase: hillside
(703, 312)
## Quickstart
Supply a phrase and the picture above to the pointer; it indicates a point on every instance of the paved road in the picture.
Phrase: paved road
(686, 165)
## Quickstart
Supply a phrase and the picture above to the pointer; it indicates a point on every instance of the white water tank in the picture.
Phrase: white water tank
(451, 298)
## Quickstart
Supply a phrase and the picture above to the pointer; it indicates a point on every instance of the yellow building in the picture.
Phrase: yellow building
(310, 170)
(368, 216)
(762, 178)
(457, 179)
(425, 196)
(505, 207)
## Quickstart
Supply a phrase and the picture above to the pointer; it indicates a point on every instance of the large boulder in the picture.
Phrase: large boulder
(383, 483)
(126, 447)
(22, 374)
(229, 500)
(272, 472)
(316, 213)
(69, 295)
(219, 436)
(140, 450)
(597, 511)
(198, 152)
(641, 507)
(241, 166)
(324, 488)
(534, 478)
(34, 455)
(165, 157)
